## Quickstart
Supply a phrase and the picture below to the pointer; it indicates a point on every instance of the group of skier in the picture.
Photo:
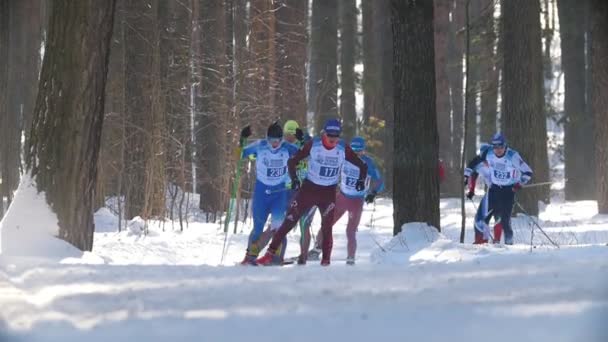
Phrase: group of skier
(297, 174)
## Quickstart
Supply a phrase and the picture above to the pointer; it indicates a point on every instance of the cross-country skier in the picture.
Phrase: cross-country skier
(326, 157)
(351, 200)
(470, 182)
(506, 173)
(270, 192)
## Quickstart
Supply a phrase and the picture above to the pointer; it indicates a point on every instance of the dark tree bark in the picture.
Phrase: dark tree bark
(599, 51)
(578, 124)
(473, 79)
(4, 28)
(489, 69)
(292, 40)
(211, 129)
(444, 117)
(66, 129)
(348, 30)
(524, 120)
(369, 82)
(145, 195)
(416, 195)
(323, 83)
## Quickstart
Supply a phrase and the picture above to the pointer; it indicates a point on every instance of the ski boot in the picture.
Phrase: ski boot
(249, 260)
(314, 254)
(350, 261)
(270, 259)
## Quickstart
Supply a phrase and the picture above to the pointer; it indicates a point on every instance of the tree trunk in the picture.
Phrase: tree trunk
(292, 39)
(455, 54)
(488, 71)
(578, 125)
(323, 62)
(66, 128)
(599, 51)
(524, 118)
(4, 142)
(416, 195)
(145, 195)
(348, 30)
(212, 133)
(444, 119)
(384, 58)
(370, 76)
(473, 82)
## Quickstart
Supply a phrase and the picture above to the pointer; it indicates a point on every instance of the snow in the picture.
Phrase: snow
(421, 285)
(30, 227)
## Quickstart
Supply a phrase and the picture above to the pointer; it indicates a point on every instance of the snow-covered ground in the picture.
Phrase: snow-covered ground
(420, 286)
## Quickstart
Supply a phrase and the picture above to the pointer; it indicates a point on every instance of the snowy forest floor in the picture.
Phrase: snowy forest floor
(420, 286)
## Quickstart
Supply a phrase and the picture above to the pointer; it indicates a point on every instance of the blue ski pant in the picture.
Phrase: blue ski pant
(267, 201)
(498, 203)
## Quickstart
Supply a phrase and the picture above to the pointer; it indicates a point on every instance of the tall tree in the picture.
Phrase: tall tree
(599, 102)
(442, 26)
(489, 71)
(348, 30)
(323, 79)
(4, 27)
(211, 123)
(66, 128)
(455, 58)
(524, 120)
(292, 39)
(369, 82)
(145, 195)
(578, 124)
(384, 90)
(416, 138)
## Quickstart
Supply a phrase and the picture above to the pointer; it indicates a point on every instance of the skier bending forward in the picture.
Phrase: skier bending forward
(507, 173)
(326, 157)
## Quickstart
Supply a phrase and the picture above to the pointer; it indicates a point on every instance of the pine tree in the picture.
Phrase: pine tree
(416, 195)
(66, 128)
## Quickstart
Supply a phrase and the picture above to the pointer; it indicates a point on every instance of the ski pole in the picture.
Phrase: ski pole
(536, 224)
(536, 184)
(235, 183)
(371, 228)
(488, 215)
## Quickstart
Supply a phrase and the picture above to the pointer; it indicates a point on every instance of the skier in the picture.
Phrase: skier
(351, 200)
(506, 173)
(270, 193)
(327, 155)
(470, 182)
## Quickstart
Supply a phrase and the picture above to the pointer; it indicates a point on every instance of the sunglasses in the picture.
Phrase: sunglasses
(274, 140)
(500, 146)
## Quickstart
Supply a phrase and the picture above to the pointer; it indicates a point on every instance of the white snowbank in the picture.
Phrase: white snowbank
(30, 227)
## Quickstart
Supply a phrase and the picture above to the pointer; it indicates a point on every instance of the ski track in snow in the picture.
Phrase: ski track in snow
(167, 286)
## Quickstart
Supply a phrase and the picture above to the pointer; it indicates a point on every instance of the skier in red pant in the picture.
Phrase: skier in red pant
(326, 157)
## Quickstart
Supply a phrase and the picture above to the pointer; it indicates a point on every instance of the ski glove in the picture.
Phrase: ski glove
(360, 185)
(300, 135)
(470, 194)
(295, 184)
(466, 180)
(370, 197)
(246, 132)
(516, 187)
(525, 179)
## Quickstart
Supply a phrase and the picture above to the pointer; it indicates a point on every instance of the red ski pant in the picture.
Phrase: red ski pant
(354, 206)
(310, 195)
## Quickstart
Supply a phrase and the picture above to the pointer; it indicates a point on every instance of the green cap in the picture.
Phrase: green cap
(290, 127)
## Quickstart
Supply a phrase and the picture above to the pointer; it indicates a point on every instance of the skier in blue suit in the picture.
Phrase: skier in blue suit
(270, 192)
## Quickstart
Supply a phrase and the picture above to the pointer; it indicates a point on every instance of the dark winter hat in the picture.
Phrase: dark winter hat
(499, 140)
(332, 128)
(275, 131)
(357, 144)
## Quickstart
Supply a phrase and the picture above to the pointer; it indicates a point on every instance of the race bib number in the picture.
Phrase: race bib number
(328, 171)
(502, 175)
(350, 181)
(275, 172)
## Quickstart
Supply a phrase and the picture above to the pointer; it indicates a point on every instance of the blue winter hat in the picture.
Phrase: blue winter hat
(357, 144)
(499, 140)
(332, 128)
